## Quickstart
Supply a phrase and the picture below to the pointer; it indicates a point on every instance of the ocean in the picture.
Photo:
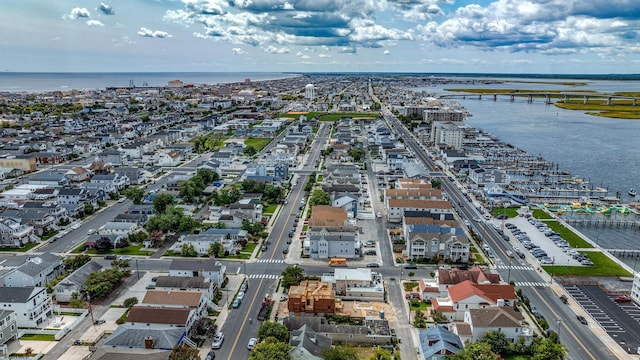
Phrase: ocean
(43, 82)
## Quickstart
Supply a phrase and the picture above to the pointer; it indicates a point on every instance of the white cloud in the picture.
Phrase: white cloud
(275, 50)
(386, 52)
(78, 12)
(144, 32)
(94, 23)
(238, 51)
(324, 56)
(105, 9)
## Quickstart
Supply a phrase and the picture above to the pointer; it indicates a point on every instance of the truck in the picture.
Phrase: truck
(265, 306)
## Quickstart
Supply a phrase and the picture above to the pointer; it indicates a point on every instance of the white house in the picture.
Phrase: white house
(209, 269)
(32, 305)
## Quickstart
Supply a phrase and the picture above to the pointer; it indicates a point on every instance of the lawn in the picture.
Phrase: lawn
(38, 337)
(419, 305)
(574, 240)
(269, 210)
(510, 212)
(257, 143)
(22, 249)
(129, 250)
(541, 214)
(410, 285)
(603, 266)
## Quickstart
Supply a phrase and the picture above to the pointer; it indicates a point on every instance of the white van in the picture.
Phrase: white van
(252, 343)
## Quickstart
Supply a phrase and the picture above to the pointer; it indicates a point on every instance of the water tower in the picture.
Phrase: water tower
(309, 91)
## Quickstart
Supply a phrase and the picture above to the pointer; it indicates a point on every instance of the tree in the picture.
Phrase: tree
(411, 274)
(73, 263)
(188, 250)
(130, 302)
(135, 194)
(215, 249)
(249, 150)
(162, 202)
(292, 275)
(498, 342)
(270, 349)
(88, 209)
(275, 330)
(549, 349)
(319, 197)
(208, 175)
(474, 351)
(184, 352)
(340, 352)
(75, 301)
(103, 244)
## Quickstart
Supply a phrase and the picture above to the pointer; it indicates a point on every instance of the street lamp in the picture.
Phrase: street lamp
(558, 321)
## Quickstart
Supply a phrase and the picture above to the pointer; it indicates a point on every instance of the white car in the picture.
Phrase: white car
(217, 341)
(124, 258)
(379, 214)
(252, 343)
(122, 199)
(91, 231)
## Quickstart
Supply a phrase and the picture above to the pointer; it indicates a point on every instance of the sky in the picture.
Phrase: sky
(462, 36)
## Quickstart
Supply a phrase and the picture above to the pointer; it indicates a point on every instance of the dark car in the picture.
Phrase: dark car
(564, 299)
(285, 251)
(582, 320)
(410, 266)
(210, 356)
(110, 257)
(99, 322)
(622, 299)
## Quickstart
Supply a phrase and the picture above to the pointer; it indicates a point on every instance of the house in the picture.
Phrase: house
(15, 234)
(281, 171)
(38, 270)
(32, 305)
(169, 158)
(445, 278)
(197, 283)
(307, 344)
(152, 328)
(467, 295)
(346, 201)
(130, 353)
(312, 297)
(74, 199)
(483, 175)
(324, 242)
(112, 157)
(136, 176)
(229, 238)
(371, 332)
(78, 174)
(501, 318)
(438, 343)
(177, 299)
(74, 283)
(53, 208)
(211, 270)
(110, 182)
(119, 228)
(252, 211)
(397, 207)
(8, 327)
(49, 178)
(359, 284)
(435, 241)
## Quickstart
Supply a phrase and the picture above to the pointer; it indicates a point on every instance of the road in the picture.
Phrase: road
(580, 342)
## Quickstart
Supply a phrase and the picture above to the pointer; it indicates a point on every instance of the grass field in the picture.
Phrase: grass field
(25, 248)
(129, 250)
(38, 337)
(602, 266)
(541, 214)
(257, 143)
(574, 240)
(510, 212)
(269, 210)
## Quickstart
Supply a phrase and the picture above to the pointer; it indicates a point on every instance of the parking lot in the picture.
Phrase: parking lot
(619, 320)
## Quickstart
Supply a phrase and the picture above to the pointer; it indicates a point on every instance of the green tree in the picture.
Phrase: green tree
(215, 249)
(292, 275)
(162, 202)
(270, 349)
(549, 349)
(188, 250)
(88, 209)
(135, 194)
(75, 301)
(498, 342)
(275, 330)
(129, 302)
(340, 352)
(319, 197)
(208, 175)
(249, 151)
(73, 263)
(474, 351)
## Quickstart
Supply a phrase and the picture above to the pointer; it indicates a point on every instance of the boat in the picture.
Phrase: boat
(632, 192)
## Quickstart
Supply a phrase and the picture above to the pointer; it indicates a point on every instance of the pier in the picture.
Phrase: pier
(624, 253)
(547, 96)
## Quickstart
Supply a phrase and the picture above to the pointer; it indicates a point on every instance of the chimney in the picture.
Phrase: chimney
(148, 342)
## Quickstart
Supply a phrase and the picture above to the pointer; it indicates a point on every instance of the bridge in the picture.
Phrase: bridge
(565, 96)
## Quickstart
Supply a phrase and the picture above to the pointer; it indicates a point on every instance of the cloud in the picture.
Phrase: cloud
(386, 52)
(275, 50)
(144, 32)
(324, 56)
(331, 23)
(123, 41)
(78, 13)
(105, 9)
(548, 27)
(347, 50)
(238, 51)
(94, 23)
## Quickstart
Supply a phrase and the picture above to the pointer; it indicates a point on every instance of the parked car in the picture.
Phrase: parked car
(410, 266)
(244, 286)
(622, 299)
(99, 322)
(240, 295)
(110, 257)
(91, 231)
(236, 303)
(252, 343)
(217, 340)
(210, 356)
(582, 320)
(564, 299)
(373, 265)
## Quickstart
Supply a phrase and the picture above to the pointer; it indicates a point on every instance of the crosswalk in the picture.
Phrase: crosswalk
(264, 276)
(514, 267)
(272, 261)
(532, 284)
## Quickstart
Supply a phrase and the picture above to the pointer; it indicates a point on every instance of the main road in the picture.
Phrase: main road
(580, 342)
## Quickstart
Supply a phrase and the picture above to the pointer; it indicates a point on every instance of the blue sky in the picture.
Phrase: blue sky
(507, 36)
